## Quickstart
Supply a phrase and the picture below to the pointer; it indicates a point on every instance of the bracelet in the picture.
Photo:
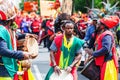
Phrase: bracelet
(54, 66)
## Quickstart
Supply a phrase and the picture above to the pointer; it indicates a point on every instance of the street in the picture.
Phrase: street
(40, 65)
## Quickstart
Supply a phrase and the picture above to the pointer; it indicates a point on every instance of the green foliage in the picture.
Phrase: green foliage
(80, 4)
(50, 0)
(21, 5)
(98, 4)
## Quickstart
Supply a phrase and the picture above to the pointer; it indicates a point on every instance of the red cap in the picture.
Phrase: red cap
(111, 21)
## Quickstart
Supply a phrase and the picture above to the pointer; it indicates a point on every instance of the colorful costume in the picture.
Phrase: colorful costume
(65, 53)
(9, 63)
(107, 62)
(8, 56)
(105, 56)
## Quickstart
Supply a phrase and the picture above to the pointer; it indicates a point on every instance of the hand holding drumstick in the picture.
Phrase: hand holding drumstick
(89, 52)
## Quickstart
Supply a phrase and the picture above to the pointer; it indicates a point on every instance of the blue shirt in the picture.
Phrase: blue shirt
(89, 32)
(4, 51)
(106, 47)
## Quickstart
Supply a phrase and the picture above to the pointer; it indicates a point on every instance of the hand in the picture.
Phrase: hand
(26, 55)
(32, 36)
(68, 69)
(33, 56)
(57, 70)
(89, 51)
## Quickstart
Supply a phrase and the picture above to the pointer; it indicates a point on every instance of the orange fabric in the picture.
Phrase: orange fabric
(28, 7)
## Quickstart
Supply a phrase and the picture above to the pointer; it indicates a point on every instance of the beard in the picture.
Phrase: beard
(69, 34)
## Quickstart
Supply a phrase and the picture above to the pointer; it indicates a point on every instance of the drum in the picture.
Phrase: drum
(63, 76)
(20, 44)
(32, 46)
(91, 71)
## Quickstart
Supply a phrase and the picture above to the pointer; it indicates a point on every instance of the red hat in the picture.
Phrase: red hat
(111, 21)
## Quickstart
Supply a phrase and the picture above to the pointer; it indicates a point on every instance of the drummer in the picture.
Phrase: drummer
(8, 56)
(65, 52)
(105, 55)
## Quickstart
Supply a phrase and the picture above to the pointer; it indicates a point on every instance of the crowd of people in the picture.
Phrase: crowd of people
(65, 37)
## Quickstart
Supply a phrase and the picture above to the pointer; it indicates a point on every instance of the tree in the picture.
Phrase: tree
(81, 4)
(67, 6)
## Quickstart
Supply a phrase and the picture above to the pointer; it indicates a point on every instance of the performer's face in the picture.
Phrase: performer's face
(100, 27)
(69, 27)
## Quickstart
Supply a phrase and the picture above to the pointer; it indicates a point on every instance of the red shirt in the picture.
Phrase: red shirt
(36, 26)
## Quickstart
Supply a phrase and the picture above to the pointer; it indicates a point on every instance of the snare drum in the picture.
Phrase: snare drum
(63, 76)
(91, 71)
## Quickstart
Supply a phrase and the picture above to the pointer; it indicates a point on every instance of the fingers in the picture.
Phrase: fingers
(26, 55)
(68, 69)
(89, 51)
(57, 70)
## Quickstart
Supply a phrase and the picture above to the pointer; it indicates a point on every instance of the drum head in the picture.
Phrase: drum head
(63, 76)
(32, 46)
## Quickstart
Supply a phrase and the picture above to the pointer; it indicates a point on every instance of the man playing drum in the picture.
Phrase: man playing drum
(8, 56)
(105, 54)
(65, 52)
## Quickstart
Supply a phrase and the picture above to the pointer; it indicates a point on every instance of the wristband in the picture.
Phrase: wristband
(54, 66)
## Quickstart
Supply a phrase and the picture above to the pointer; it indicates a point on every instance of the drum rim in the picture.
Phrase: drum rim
(86, 65)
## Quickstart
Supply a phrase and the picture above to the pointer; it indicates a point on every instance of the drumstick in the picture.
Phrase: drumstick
(45, 36)
(88, 59)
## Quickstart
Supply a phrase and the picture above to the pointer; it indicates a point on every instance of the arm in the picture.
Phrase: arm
(76, 60)
(87, 35)
(52, 57)
(89, 32)
(106, 46)
(4, 51)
